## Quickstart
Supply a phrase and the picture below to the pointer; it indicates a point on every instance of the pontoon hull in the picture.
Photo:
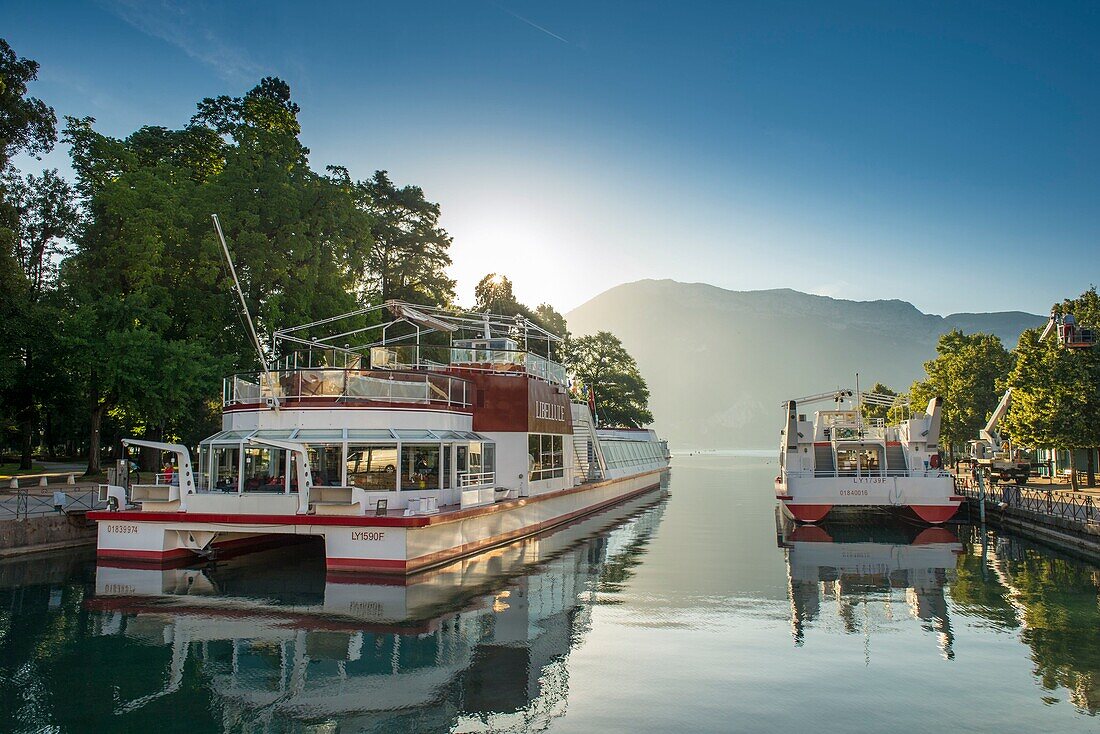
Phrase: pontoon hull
(930, 500)
(363, 544)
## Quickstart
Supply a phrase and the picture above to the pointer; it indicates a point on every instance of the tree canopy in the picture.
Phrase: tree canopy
(1055, 389)
(147, 279)
(37, 215)
(27, 124)
(409, 259)
(966, 373)
(602, 365)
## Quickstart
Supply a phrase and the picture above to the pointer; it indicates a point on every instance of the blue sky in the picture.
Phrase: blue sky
(942, 153)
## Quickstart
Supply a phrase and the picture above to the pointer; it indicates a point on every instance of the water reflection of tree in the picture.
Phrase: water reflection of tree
(1054, 600)
(1062, 623)
(977, 592)
(619, 568)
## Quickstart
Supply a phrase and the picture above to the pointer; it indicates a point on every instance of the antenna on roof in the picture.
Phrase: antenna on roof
(273, 400)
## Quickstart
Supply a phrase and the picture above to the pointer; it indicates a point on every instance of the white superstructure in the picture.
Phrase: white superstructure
(841, 460)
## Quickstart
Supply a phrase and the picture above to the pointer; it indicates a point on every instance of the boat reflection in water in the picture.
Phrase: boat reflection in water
(869, 573)
(277, 642)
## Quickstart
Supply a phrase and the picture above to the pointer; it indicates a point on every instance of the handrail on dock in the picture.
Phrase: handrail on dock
(1064, 504)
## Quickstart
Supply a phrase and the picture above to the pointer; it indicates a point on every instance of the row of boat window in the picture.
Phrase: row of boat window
(619, 454)
(378, 467)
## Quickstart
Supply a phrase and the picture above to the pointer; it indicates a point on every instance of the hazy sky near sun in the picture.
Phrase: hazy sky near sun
(947, 154)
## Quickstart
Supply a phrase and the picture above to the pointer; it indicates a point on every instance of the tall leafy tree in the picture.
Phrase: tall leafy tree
(27, 124)
(130, 279)
(42, 214)
(965, 373)
(494, 294)
(549, 319)
(605, 367)
(36, 214)
(410, 254)
(150, 295)
(1056, 390)
(300, 242)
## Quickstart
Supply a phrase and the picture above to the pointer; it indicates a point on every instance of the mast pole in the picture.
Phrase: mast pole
(244, 307)
(859, 401)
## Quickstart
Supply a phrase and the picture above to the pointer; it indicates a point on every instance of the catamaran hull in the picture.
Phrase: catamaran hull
(361, 544)
(930, 500)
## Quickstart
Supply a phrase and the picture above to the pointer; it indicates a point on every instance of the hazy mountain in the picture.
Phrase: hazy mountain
(719, 363)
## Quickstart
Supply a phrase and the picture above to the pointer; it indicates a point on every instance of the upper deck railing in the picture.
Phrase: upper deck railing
(412, 357)
(348, 385)
(842, 428)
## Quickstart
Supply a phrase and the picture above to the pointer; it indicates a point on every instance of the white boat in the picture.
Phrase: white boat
(437, 435)
(840, 462)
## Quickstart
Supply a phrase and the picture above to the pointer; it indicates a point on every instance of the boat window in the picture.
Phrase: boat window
(488, 457)
(419, 466)
(448, 435)
(324, 465)
(865, 460)
(627, 453)
(406, 434)
(314, 434)
(264, 470)
(225, 466)
(475, 458)
(227, 437)
(546, 459)
(370, 434)
(447, 463)
(273, 434)
(373, 467)
(200, 474)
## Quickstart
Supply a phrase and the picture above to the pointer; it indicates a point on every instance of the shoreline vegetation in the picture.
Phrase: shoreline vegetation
(122, 321)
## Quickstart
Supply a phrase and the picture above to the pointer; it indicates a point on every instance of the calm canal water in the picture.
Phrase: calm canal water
(687, 610)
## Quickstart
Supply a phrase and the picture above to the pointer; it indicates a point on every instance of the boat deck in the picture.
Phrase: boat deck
(392, 518)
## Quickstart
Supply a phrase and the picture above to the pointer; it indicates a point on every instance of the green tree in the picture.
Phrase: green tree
(549, 319)
(27, 242)
(965, 373)
(493, 294)
(1056, 390)
(27, 124)
(410, 255)
(42, 214)
(604, 366)
(153, 314)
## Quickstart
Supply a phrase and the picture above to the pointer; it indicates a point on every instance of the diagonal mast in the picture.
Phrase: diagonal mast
(247, 316)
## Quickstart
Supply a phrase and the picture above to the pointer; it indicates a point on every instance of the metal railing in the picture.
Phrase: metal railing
(348, 385)
(476, 480)
(469, 358)
(919, 473)
(1067, 505)
(21, 504)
